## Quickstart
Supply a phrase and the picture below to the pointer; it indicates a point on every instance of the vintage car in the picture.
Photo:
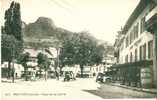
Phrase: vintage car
(101, 77)
(69, 75)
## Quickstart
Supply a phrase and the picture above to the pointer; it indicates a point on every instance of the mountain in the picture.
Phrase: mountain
(44, 30)
(42, 27)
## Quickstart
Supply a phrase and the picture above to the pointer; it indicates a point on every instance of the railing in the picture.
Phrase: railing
(129, 73)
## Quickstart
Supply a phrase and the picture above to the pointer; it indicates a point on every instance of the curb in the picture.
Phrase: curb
(136, 89)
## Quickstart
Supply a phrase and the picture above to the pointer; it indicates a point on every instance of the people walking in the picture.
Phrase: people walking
(57, 75)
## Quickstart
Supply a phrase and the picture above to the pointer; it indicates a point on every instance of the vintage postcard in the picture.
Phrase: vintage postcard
(78, 49)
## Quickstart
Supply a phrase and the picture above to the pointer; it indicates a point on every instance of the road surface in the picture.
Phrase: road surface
(53, 89)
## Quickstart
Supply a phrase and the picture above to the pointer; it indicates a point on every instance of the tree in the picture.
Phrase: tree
(68, 50)
(13, 23)
(12, 34)
(81, 49)
(23, 59)
(87, 47)
(40, 61)
(47, 64)
(97, 55)
(17, 23)
(43, 63)
(9, 50)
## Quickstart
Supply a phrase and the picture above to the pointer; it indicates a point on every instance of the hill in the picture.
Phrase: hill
(44, 31)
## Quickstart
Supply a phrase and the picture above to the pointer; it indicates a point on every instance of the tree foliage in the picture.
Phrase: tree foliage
(8, 43)
(23, 59)
(81, 49)
(13, 24)
(12, 42)
(43, 62)
(11, 32)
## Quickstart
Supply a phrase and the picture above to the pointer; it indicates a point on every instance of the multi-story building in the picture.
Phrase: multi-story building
(18, 69)
(95, 69)
(108, 61)
(32, 64)
(135, 46)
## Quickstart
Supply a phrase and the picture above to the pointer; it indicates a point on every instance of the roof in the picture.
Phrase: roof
(139, 8)
(34, 52)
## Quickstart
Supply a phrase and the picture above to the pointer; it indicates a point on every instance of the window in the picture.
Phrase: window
(140, 52)
(126, 41)
(130, 38)
(150, 49)
(96, 69)
(142, 25)
(135, 55)
(99, 69)
(131, 57)
(136, 30)
(126, 59)
(144, 51)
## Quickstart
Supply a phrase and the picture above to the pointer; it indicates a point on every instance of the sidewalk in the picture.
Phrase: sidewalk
(151, 90)
(5, 80)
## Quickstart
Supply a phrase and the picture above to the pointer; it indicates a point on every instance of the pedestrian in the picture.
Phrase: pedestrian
(57, 75)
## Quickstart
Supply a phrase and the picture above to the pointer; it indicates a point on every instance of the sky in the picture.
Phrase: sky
(102, 18)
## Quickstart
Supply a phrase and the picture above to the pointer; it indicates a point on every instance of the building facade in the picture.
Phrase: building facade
(18, 69)
(33, 68)
(136, 43)
(108, 61)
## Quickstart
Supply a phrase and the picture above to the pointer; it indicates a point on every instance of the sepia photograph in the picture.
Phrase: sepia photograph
(78, 49)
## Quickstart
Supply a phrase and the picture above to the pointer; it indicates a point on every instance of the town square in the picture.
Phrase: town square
(75, 49)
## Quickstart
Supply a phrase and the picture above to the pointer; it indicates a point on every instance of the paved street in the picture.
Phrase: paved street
(53, 89)
(109, 91)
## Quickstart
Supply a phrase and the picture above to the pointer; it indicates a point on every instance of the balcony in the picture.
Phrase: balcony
(151, 14)
(151, 20)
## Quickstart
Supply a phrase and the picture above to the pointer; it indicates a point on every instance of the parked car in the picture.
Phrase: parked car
(101, 77)
(86, 74)
(106, 79)
(69, 75)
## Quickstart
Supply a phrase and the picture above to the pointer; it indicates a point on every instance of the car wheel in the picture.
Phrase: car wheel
(101, 80)
(108, 80)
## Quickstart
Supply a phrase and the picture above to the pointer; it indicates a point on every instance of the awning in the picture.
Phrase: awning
(143, 63)
(67, 69)
(32, 64)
